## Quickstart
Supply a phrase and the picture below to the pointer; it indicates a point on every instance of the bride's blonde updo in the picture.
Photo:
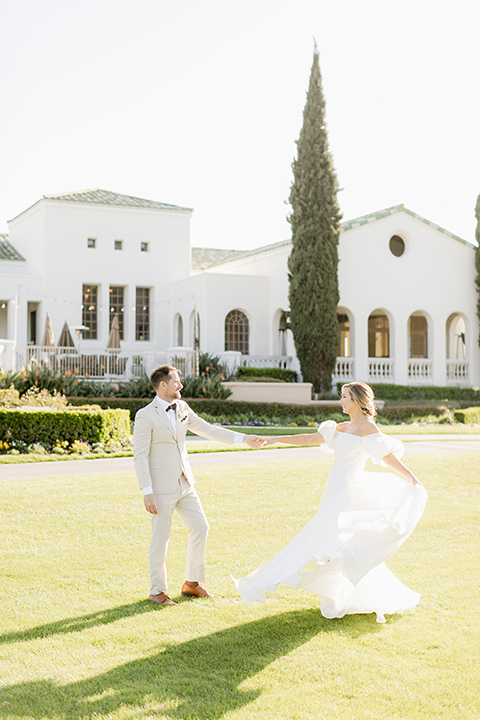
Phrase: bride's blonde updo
(362, 394)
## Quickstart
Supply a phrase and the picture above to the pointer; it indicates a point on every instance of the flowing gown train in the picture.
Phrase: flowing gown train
(363, 518)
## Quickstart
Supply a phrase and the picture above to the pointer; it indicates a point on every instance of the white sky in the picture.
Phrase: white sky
(199, 103)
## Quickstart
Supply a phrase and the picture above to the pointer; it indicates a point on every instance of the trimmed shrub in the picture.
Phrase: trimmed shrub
(406, 413)
(130, 404)
(222, 408)
(467, 415)
(48, 426)
(234, 411)
(283, 374)
(387, 391)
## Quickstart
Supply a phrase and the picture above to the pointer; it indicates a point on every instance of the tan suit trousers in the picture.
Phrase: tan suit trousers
(186, 502)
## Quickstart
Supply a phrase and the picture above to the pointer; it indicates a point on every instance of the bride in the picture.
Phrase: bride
(363, 518)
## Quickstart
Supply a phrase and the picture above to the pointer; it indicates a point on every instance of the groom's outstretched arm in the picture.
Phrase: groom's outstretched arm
(213, 432)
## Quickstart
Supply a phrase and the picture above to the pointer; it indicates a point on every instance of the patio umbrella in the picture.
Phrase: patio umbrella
(113, 342)
(48, 339)
(65, 339)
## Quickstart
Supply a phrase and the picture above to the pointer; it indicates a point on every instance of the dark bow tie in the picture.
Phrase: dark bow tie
(173, 406)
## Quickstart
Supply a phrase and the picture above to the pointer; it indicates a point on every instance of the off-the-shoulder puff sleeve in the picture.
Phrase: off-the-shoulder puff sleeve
(378, 445)
(327, 430)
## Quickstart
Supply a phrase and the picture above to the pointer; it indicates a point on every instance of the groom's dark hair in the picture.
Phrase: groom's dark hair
(161, 374)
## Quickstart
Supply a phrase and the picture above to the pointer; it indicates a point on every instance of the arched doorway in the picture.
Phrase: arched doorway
(380, 364)
(457, 349)
(419, 366)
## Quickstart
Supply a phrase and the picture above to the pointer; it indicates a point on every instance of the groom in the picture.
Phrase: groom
(165, 476)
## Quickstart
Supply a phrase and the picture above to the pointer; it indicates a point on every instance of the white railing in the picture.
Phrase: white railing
(380, 369)
(105, 364)
(265, 361)
(458, 371)
(343, 370)
(419, 370)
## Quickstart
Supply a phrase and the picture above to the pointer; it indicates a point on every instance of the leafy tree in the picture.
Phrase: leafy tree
(313, 262)
(477, 258)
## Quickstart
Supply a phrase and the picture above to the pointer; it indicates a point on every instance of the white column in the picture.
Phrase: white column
(399, 349)
(359, 345)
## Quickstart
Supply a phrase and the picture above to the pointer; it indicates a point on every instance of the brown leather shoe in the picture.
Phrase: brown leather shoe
(162, 599)
(196, 591)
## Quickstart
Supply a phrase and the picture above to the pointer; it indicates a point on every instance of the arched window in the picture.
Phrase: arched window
(237, 332)
(179, 330)
(343, 349)
(378, 335)
(418, 333)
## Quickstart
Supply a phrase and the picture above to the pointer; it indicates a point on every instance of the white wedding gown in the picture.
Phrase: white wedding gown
(363, 518)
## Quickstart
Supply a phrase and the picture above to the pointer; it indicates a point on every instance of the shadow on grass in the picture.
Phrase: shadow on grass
(198, 679)
(77, 624)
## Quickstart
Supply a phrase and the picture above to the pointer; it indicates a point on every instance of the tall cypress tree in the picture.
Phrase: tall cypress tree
(477, 258)
(313, 261)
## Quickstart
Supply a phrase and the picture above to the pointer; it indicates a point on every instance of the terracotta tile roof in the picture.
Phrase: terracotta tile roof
(7, 251)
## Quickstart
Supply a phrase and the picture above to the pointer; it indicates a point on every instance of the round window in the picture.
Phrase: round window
(397, 245)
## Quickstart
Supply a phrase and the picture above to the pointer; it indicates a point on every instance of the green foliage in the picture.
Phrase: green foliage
(205, 386)
(468, 415)
(210, 364)
(39, 376)
(10, 379)
(48, 426)
(477, 258)
(140, 388)
(283, 374)
(32, 398)
(386, 391)
(411, 413)
(313, 262)
(130, 404)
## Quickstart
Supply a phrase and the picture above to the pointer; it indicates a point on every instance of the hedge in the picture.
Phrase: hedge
(386, 391)
(130, 404)
(468, 415)
(235, 409)
(49, 426)
(404, 413)
(278, 373)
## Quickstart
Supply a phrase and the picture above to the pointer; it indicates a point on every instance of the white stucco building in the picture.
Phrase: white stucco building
(407, 307)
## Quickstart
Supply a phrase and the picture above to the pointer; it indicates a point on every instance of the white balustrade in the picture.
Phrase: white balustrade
(265, 361)
(343, 370)
(458, 371)
(106, 364)
(380, 369)
(419, 370)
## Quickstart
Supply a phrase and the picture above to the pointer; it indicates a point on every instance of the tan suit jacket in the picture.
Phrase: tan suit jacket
(160, 452)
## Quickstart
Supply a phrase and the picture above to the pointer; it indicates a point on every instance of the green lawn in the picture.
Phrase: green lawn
(79, 641)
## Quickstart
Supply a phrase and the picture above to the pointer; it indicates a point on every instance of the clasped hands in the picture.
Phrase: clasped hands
(257, 441)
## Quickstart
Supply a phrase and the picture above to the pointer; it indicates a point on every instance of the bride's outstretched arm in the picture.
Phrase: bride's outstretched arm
(304, 439)
(401, 469)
